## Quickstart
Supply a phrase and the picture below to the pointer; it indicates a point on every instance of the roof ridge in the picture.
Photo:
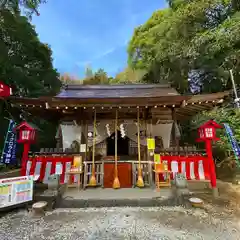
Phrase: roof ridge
(115, 86)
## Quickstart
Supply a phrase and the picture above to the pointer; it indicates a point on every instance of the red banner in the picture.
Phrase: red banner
(5, 91)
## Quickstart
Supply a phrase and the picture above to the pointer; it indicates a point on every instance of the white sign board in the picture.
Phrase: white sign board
(16, 190)
(59, 169)
(83, 148)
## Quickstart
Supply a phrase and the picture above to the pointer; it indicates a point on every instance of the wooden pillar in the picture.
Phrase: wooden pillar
(58, 143)
(86, 157)
(26, 148)
(58, 138)
(151, 136)
(174, 136)
(213, 178)
(140, 182)
(84, 138)
(145, 157)
(93, 181)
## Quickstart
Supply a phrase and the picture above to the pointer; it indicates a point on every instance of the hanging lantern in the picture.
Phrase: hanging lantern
(207, 131)
(26, 133)
(90, 134)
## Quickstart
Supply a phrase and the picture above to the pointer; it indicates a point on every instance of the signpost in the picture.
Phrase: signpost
(14, 191)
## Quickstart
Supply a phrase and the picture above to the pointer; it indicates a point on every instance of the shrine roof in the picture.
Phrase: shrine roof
(116, 91)
(82, 99)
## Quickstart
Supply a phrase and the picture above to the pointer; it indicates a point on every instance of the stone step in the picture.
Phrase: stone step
(99, 203)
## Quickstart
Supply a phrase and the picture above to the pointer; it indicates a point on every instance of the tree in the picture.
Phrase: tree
(191, 45)
(26, 65)
(89, 72)
(99, 77)
(223, 147)
(25, 62)
(28, 6)
(91, 77)
(69, 79)
(174, 4)
(129, 75)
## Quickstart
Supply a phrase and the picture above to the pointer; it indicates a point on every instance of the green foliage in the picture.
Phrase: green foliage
(174, 4)
(25, 62)
(129, 75)
(221, 115)
(192, 44)
(91, 78)
(99, 77)
(69, 79)
(89, 72)
(28, 6)
(26, 65)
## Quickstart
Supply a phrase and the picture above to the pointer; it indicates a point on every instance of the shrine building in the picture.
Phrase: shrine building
(116, 131)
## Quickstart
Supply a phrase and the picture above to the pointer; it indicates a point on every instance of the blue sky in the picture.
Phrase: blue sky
(91, 32)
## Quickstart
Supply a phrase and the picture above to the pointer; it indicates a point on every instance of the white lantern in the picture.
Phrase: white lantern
(90, 134)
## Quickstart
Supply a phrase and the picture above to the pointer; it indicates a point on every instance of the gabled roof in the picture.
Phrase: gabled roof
(116, 91)
(76, 100)
(28, 125)
(211, 123)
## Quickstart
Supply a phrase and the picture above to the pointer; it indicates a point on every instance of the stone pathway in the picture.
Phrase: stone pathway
(165, 223)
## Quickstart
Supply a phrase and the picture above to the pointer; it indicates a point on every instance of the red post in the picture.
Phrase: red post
(26, 149)
(212, 170)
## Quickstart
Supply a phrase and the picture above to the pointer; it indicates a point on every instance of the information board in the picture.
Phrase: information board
(151, 143)
(157, 158)
(16, 190)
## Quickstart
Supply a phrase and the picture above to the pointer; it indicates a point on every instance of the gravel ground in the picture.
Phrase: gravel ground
(164, 223)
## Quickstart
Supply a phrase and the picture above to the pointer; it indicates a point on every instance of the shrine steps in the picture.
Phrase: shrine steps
(132, 197)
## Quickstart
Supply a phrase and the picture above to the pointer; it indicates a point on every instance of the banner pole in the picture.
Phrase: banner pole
(116, 183)
(93, 181)
(140, 182)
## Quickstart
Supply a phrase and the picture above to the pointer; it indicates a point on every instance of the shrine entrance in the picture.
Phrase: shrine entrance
(122, 145)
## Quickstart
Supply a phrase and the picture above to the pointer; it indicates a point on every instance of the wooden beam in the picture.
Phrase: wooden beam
(175, 139)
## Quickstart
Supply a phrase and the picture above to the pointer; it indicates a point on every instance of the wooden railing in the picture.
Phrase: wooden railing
(99, 173)
(147, 172)
(182, 150)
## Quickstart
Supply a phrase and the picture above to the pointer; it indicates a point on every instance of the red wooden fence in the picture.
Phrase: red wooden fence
(46, 166)
(194, 167)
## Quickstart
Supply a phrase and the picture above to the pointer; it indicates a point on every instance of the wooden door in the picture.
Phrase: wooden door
(124, 175)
